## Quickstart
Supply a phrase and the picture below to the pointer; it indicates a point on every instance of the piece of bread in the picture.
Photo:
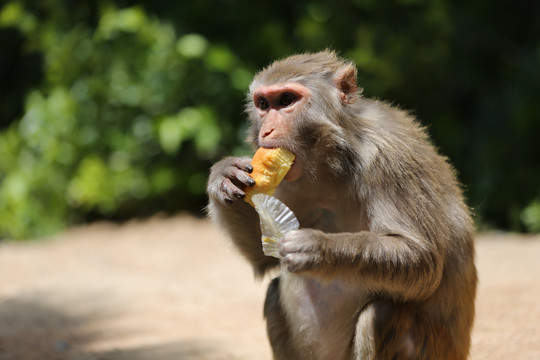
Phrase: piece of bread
(269, 167)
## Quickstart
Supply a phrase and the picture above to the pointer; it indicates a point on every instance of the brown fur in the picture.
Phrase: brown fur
(384, 259)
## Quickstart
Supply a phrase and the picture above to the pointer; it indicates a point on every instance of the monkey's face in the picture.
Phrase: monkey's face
(277, 112)
(299, 104)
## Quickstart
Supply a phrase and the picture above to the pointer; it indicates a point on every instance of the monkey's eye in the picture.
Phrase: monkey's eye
(286, 99)
(262, 103)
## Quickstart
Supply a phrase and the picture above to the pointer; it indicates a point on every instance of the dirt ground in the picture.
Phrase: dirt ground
(173, 288)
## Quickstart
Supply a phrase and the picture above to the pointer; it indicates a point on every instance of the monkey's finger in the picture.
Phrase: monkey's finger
(289, 247)
(244, 164)
(298, 262)
(223, 195)
(295, 241)
(231, 192)
(242, 178)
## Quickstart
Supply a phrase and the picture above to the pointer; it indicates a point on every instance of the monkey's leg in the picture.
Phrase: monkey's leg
(277, 325)
(384, 332)
(389, 331)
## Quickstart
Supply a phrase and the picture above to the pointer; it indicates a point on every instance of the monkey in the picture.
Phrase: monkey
(382, 266)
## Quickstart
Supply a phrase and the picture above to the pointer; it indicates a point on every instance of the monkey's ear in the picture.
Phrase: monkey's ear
(345, 81)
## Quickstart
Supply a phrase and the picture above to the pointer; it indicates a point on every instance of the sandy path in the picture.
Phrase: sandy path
(173, 289)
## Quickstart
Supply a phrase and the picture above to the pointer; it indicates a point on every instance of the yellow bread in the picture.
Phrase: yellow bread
(269, 167)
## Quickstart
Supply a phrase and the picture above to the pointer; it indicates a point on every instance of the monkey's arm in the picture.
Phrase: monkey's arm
(395, 264)
(240, 221)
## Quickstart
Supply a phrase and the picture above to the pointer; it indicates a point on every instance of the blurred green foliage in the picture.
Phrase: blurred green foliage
(114, 109)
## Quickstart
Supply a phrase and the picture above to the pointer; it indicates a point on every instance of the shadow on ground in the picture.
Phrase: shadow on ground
(32, 330)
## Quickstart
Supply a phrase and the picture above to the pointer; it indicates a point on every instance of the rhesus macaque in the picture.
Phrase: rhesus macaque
(382, 266)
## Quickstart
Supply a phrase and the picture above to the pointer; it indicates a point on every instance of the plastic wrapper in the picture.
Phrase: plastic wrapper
(276, 220)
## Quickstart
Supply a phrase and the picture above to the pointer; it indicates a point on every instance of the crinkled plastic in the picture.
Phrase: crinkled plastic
(276, 220)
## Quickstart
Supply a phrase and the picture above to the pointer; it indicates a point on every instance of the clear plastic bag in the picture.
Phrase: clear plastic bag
(276, 220)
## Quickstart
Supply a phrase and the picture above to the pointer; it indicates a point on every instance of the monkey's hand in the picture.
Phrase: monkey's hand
(301, 250)
(228, 179)
(226, 183)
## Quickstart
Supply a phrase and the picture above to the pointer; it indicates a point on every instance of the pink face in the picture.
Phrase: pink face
(277, 107)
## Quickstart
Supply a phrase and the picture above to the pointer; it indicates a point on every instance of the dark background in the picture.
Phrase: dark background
(117, 109)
